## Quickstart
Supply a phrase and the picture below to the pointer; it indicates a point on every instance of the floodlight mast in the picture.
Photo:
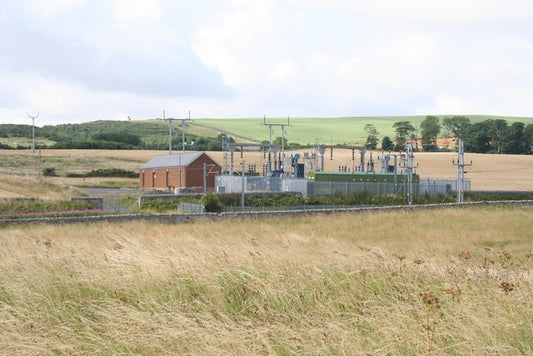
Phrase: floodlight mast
(33, 130)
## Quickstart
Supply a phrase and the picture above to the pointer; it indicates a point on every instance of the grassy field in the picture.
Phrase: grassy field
(24, 141)
(450, 282)
(326, 130)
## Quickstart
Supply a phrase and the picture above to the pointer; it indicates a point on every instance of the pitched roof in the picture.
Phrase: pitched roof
(176, 160)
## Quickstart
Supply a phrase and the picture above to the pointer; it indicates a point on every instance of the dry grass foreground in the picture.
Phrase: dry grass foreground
(457, 281)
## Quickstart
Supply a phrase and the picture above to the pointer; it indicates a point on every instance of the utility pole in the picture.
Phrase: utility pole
(243, 186)
(183, 127)
(461, 171)
(410, 157)
(169, 119)
(33, 130)
(205, 177)
(225, 157)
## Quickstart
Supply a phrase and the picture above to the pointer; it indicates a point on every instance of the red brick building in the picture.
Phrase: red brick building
(183, 170)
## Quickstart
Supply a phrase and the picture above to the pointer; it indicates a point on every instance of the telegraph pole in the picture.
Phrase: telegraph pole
(169, 119)
(461, 171)
(183, 127)
(243, 185)
(410, 173)
(33, 130)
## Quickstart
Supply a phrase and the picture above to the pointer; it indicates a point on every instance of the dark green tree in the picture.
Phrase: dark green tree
(387, 144)
(430, 130)
(372, 138)
(528, 134)
(497, 128)
(403, 130)
(456, 126)
(122, 137)
(477, 138)
(515, 139)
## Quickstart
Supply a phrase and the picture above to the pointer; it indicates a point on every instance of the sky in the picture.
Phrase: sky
(83, 60)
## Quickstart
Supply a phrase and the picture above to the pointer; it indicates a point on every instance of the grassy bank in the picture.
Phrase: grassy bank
(437, 282)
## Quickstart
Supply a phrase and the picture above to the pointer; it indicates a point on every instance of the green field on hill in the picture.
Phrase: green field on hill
(326, 130)
(154, 132)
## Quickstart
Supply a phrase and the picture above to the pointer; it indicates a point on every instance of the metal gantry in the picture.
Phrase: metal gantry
(461, 171)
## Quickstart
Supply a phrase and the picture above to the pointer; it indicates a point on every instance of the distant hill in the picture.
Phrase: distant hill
(327, 130)
(154, 133)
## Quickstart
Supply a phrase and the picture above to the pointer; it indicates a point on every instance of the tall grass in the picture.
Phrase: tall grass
(438, 282)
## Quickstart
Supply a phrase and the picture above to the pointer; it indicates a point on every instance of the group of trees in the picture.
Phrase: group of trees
(114, 135)
(489, 136)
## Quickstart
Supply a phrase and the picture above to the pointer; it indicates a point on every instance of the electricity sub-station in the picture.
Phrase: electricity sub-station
(304, 172)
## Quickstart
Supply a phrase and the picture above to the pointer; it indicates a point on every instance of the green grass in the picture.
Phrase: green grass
(25, 141)
(328, 130)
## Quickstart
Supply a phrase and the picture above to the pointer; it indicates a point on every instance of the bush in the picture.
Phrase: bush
(160, 205)
(49, 172)
(211, 203)
(107, 172)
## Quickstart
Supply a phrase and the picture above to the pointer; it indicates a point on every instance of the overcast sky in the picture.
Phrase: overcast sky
(85, 60)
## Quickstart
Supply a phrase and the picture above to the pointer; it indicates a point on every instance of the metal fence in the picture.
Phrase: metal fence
(431, 187)
(234, 184)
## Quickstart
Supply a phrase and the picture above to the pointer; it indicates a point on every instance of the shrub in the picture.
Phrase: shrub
(107, 172)
(211, 203)
(49, 172)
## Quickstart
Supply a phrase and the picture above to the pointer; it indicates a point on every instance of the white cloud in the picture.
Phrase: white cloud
(447, 13)
(131, 12)
(51, 8)
(279, 57)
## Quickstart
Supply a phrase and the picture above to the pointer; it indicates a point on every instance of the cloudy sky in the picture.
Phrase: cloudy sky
(83, 60)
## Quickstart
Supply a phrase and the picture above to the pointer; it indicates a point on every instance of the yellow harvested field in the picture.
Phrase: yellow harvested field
(488, 172)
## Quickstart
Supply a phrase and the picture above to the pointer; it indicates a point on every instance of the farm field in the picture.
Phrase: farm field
(339, 130)
(19, 169)
(447, 282)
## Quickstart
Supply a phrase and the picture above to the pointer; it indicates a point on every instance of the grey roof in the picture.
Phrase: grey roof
(176, 160)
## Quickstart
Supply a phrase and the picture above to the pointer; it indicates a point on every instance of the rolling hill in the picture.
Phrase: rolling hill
(154, 132)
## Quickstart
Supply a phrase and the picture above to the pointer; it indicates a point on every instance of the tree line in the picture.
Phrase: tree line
(111, 135)
(488, 136)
